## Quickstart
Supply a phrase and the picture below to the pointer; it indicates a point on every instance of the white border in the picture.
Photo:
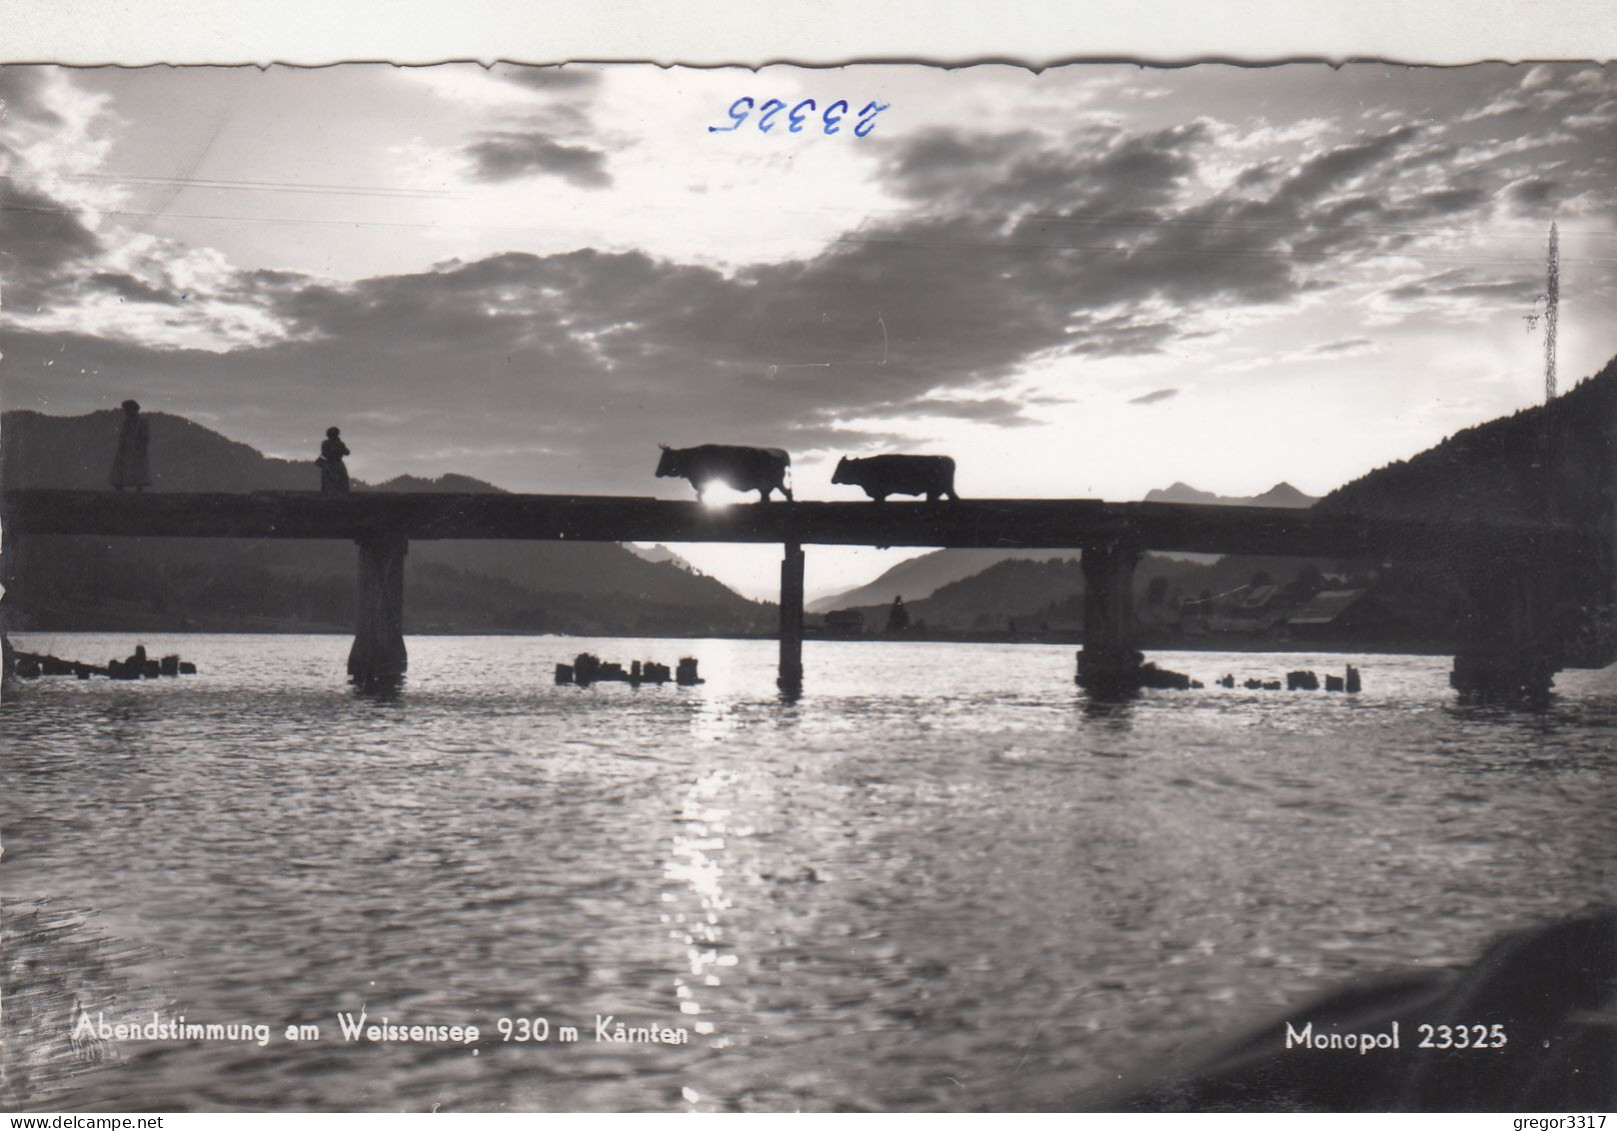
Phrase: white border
(714, 32)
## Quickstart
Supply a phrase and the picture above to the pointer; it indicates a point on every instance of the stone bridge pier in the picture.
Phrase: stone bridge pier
(378, 654)
(1109, 664)
(1514, 634)
(790, 678)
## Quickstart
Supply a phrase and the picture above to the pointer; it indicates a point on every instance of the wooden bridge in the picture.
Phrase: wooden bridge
(1501, 562)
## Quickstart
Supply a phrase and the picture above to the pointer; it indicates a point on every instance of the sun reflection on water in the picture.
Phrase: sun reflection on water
(696, 864)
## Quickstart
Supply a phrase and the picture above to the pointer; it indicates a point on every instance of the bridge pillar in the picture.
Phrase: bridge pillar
(378, 654)
(1509, 647)
(1109, 663)
(790, 679)
(8, 587)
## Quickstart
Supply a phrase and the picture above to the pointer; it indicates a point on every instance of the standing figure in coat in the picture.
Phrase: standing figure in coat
(333, 472)
(130, 466)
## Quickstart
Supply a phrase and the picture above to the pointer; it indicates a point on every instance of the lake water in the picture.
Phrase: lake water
(941, 880)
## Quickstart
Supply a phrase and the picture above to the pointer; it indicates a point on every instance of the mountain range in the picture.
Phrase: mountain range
(1280, 495)
(922, 576)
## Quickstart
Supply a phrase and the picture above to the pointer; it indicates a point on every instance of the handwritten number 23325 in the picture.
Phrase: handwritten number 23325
(832, 117)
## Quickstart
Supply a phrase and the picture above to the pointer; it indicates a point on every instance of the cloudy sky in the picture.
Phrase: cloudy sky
(1089, 282)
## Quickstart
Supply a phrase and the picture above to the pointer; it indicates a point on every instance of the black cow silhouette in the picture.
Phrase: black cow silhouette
(880, 476)
(743, 469)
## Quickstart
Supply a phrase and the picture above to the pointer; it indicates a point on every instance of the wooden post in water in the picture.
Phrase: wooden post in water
(1109, 663)
(790, 679)
(378, 653)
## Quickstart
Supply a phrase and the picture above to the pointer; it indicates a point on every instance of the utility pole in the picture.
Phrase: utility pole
(1552, 301)
(1545, 462)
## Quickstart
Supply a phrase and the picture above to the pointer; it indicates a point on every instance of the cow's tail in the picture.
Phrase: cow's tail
(786, 480)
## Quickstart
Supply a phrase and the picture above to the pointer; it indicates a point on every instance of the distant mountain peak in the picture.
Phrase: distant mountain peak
(1282, 494)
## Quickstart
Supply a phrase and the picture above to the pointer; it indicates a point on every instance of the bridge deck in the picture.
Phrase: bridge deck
(991, 523)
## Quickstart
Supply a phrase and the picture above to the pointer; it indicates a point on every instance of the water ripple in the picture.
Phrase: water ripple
(940, 880)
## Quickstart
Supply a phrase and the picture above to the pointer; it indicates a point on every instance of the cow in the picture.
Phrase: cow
(744, 469)
(880, 476)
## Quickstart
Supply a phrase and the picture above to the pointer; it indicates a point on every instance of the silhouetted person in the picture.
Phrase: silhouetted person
(898, 618)
(130, 466)
(333, 472)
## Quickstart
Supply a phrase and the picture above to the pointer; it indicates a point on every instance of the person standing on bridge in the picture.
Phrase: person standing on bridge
(333, 472)
(130, 466)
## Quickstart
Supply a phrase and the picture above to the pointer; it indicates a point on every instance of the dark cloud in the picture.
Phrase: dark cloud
(510, 154)
(1024, 171)
(1533, 192)
(131, 289)
(1261, 173)
(40, 237)
(935, 162)
(1340, 166)
(1439, 203)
